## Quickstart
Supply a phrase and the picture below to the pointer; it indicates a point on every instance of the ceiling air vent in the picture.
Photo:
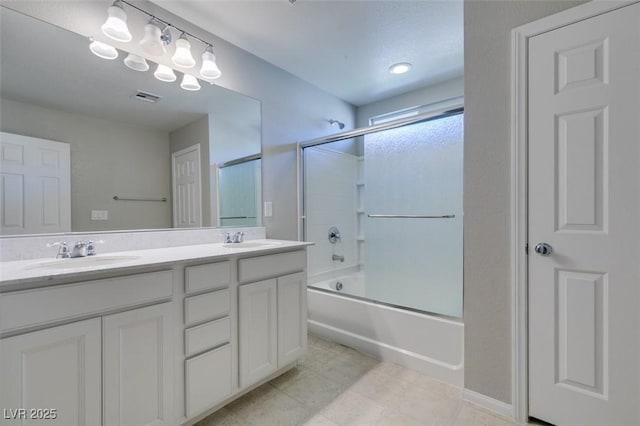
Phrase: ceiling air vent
(146, 97)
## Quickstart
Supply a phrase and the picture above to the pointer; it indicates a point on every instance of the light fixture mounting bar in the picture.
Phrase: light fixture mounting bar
(168, 24)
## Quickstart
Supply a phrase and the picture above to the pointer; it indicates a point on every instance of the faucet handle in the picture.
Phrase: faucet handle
(227, 238)
(238, 237)
(63, 251)
(91, 246)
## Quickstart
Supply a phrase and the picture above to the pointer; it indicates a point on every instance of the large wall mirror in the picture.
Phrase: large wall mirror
(126, 142)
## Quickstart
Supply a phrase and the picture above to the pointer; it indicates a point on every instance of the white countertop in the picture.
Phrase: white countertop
(15, 273)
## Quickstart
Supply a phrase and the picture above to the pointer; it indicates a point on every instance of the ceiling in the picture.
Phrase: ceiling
(344, 47)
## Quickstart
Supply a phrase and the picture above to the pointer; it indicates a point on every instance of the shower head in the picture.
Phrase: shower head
(340, 124)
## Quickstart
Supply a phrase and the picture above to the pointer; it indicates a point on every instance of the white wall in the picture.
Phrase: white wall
(292, 109)
(487, 307)
(330, 197)
(134, 162)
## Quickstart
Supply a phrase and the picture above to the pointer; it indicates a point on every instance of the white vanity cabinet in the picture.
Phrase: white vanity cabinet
(108, 369)
(138, 366)
(54, 374)
(139, 346)
(209, 306)
(272, 314)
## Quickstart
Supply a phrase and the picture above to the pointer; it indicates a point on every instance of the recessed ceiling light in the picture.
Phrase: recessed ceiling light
(400, 68)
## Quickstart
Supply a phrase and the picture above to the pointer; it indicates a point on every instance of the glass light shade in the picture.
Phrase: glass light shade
(164, 73)
(137, 63)
(115, 26)
(182, 57)
(189, 82)
(209, 70)
(151, 42)
(103, 50)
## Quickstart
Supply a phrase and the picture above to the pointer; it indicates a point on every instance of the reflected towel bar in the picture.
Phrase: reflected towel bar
(409, 216)
(117, 198)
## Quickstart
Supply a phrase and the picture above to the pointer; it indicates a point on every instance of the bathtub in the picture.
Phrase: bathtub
(428, 343)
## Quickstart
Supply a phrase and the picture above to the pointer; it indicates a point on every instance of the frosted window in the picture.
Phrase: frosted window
(415, 170)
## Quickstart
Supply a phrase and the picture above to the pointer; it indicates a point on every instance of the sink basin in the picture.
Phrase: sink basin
(83, 262)
(251, 244)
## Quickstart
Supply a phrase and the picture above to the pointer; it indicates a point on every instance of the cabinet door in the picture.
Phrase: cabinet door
(138, 367)
(258, 331)
(53, 369)
(292, 318)
(208, 379)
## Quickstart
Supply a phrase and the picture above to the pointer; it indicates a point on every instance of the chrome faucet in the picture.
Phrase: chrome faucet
(63, 250)
(337, 257)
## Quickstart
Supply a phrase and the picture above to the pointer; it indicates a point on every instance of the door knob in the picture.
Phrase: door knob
(543, 249)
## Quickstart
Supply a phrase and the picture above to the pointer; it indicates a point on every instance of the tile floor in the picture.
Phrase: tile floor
(335, 385)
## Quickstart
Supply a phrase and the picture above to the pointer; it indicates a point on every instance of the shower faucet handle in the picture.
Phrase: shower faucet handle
(334, 235)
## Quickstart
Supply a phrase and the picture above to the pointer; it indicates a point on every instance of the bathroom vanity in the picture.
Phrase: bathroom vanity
(162, 336)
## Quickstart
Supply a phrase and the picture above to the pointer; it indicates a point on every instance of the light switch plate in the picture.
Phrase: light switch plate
(268, 209)
(99, 214)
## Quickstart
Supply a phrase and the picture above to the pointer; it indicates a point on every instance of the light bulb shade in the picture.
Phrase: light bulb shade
(209, 70)
(182, 57)
(137, 63)
(103, 50)
(189, 82)
(151, 42)
(164, 73)
(115, 26)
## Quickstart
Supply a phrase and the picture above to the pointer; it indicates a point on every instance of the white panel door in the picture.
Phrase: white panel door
(54, 369)
(292, 317)
(258, 331)
(138, 367)
(187, 194)
(584, 163)
(35, 185)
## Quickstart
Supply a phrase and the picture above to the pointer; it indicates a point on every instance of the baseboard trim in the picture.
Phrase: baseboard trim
(452, 374)
(489, 403)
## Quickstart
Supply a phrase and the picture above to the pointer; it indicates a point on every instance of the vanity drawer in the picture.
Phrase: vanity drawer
(272, 265)
(206, 306)
(206, 336)
(207, 277)
(208, 379)
(39, 306)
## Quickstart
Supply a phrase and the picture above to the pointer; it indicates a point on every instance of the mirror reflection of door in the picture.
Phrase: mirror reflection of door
(187, 195)
(35, 189)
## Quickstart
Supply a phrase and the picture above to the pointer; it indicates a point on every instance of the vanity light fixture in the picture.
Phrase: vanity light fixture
(400, 68)
(182, 57)
(103, 50)
(136, 63)
(190, 83)
(152, 42)
(115, 26)
(209, 69)
(157, 35)
(164, 73)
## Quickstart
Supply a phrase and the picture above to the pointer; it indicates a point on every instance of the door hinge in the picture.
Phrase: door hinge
(526, 248)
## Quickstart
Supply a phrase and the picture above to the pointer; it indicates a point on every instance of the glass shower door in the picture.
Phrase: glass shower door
(413, 226)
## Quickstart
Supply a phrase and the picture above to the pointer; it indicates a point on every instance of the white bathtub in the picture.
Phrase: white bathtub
(427, 343)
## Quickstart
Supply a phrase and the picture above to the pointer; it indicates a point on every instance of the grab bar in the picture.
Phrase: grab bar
(238, 217)
(409, 216)
(117, 198)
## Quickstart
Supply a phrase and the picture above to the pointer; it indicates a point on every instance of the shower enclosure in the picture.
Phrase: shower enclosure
(393, 192)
